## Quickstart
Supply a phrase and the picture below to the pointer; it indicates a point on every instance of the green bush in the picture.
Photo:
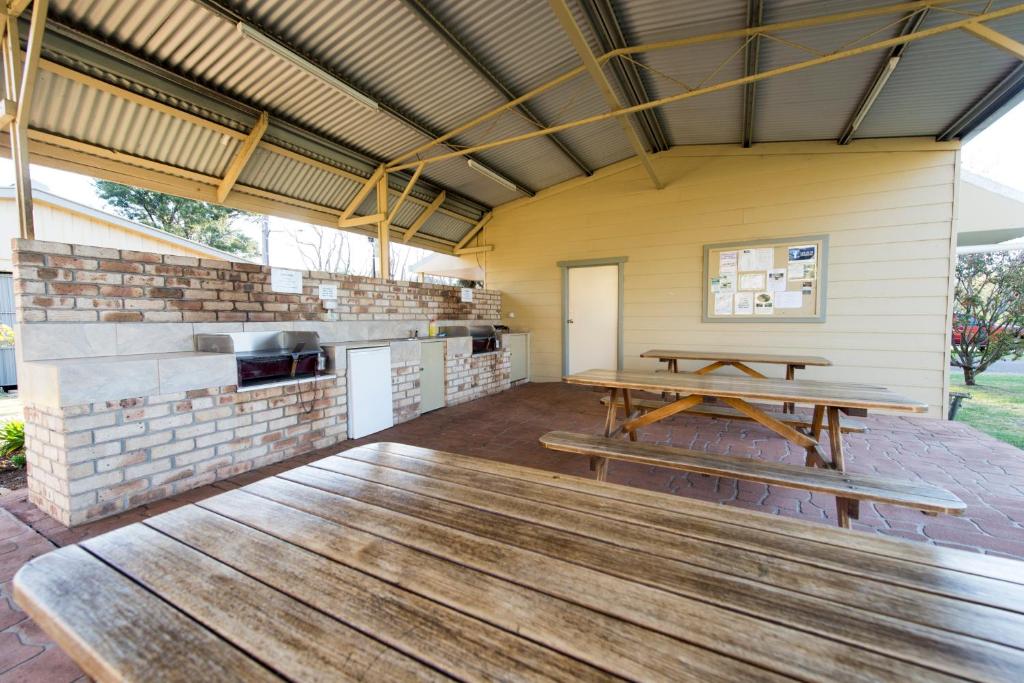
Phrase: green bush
(12, 440)
(18, 460)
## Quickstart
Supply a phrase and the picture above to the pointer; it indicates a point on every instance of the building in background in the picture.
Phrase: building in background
(991, 216)
(62, 220)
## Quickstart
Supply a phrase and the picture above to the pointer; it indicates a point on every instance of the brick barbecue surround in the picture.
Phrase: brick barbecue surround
(55, 282)
(120, 411)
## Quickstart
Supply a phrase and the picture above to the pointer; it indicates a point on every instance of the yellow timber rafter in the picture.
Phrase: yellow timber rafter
(973, 24)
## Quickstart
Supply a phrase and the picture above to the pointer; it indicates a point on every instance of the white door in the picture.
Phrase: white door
(370, 407)
(593, 318)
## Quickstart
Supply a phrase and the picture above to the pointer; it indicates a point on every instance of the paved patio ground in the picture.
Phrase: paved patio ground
(987, 474)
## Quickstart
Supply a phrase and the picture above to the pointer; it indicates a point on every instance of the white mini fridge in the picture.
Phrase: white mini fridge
(369, 391)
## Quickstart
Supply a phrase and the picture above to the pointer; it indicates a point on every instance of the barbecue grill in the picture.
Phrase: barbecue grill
(264, 357)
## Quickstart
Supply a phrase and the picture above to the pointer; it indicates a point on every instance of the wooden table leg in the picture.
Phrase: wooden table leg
(835, 438)
(790, 374)
(598, 464)
(814, 454)
(627, 404)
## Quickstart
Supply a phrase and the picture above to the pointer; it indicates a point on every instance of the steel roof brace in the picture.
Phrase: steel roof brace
(755, 15)
(601, 17)
(474, 62)
(912, 24)
(405, 118)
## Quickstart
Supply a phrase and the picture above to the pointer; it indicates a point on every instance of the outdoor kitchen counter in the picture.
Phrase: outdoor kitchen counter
(65, 382)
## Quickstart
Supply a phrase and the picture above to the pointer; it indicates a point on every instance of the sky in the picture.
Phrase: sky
(996, 153)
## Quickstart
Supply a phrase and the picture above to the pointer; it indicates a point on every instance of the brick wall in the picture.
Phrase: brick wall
(57, 282)
(92, 460)
(472, 377)
(405, 390)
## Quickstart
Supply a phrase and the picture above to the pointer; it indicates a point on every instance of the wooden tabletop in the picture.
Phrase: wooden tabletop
(393, 562)
(778, 359)
(836, 394)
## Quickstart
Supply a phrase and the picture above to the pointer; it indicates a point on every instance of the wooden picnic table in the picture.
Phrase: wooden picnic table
(828, 399)
(393, 562)
(738, 360)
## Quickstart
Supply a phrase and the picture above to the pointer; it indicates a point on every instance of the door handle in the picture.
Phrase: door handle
(569, 321)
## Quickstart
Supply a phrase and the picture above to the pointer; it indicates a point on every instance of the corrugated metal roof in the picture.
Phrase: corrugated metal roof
(388, 50)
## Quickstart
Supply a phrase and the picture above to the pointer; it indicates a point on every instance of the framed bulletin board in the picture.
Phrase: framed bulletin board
(778, 280)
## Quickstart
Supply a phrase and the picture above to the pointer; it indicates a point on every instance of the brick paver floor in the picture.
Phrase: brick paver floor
(987, 474)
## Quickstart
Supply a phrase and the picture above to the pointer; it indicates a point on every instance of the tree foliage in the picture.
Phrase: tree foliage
(988, 311)
(210, 224)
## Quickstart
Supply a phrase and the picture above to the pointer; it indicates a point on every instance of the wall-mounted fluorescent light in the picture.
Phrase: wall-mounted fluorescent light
(284, 53)
(883, 78)
(484, 171)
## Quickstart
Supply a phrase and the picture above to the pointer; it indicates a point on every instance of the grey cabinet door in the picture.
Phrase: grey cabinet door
(432, 376)
(517, 349)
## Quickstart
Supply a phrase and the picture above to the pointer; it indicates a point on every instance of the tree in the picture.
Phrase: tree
(324, 249)
(988, 311)
(210, 224)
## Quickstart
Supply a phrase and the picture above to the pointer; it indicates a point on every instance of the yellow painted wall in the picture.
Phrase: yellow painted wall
(887, 206)
(59, 224)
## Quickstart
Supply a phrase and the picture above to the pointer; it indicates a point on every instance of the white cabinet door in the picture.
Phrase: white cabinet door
(518, 351)
(431, 376)
(370, 407)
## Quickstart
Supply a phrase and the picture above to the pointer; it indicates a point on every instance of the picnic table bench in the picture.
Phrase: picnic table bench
(393, 562)
(828, 398)
(738, 360)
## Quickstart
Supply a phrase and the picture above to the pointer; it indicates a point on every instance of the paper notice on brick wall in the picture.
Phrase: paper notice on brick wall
(328, 292)
(286, 281)
(466, 296)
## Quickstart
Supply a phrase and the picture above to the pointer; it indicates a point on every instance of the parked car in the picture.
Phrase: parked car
(972, 329)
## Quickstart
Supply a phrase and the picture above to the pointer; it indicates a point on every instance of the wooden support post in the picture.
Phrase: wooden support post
(19, 82)
(383, 229)
(242, 157)
(835, 438)
(356, 221)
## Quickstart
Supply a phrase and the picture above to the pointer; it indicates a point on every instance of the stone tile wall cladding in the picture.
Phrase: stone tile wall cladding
(92, 460)
(57, 282)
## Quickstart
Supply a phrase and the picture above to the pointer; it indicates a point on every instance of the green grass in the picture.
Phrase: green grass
(996, 406)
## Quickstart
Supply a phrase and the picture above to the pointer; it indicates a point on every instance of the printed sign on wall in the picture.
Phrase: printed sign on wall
(286, 281)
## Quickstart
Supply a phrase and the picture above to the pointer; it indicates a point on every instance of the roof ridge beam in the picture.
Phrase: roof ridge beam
(755, 17)
(405, 118)
(606, 27)
(475, 63)
(579, 43)
(911, 24)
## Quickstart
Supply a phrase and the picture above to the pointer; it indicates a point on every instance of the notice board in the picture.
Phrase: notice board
(763, 281)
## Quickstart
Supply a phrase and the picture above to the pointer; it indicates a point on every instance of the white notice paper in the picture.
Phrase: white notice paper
(466, 295)
(723, 284)
(748, 259)
(801, 270)
(765, 258)
(752, 281)
(777, 280)
(744, 303)
(723, 304)
(727, 263)
(763, 303)
(286, 281)
(328, 291)
(788, 300)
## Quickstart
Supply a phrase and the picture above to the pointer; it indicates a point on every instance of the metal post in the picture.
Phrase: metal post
(265, 242)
